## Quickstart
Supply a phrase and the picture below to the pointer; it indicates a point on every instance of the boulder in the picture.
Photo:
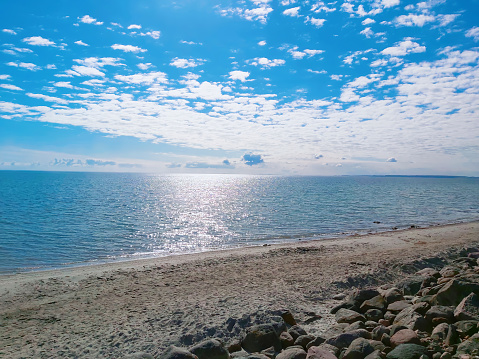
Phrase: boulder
(210, 349)
(345, 339)
(455, 291)
(439, 333)
(286, 340)
(139, 355)
(358, 349)
(288, 317)
(358, 296)
(407, 351)
(468, 309)
(398, 306)
(374, 315)
(374, 355)
(440, 314)
(404, 336)
(376, 302)
(428, 272)
(314, 343)
(304, 340)
(411, 319)
(378, 332)
(452, 336)
(296, 331)
(320, 353)
(260, 337)
(467, 327)
(349, 316)
(292, 353)
(174, 352)
(393, 295)
(449, 271)
(411, 285)
(469, 346)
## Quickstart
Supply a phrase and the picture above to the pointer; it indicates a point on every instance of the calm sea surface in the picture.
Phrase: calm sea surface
(53, 219)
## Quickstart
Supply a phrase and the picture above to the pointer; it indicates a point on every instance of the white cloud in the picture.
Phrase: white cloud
(367, 32)
(93, 82)
(25, 65)
(473, 32)
(413, 20)
(265, 63)
(11, 87)
(239, 75)
(47, 98)
(128, 48)
(144, 79)
(320, 6)
(133, 26)
(8, 31)
(63, 84)
(390, 3)
(447, 19)
(403, 48)
(81, 43)
(85, 71)
(144, 66)
(185, 63)
(262, 43)
(38, 41)
(99, 62)
(4, 77)
(153, 34)
(256, 14)
(368, 21)
(190, 42)
(87, 19)
(294, 12)
(315, 22)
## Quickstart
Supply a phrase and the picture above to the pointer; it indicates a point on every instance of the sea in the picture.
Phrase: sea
(60, 219)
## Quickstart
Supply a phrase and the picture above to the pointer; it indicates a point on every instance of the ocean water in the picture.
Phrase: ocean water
(54, 219)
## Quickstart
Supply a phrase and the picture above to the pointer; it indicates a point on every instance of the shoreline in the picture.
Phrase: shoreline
(115, 309)
(137, 257)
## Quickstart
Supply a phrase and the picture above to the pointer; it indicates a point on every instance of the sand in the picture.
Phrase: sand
(112, 310)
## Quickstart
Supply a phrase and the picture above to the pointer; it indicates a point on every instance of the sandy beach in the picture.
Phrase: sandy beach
(113, 310)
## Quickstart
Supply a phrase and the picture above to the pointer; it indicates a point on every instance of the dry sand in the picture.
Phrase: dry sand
(110, 311)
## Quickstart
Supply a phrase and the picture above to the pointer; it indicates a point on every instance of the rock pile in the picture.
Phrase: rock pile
(432, 314)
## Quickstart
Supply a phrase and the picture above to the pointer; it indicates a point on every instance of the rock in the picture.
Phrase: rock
(234, 346)
(386, 339)
(376, 302)
(439, 333)
(467, 327)
(177, 353)
(345, 305)
(374, 314)
(316, 342)
(304, 340)
(473, 255)
(349, 316)
(452, 336)
(398, 306)
(358, 296)
(286, 340)
(210, 349)
(407, 351)
(411, 285)
(440, 314)
(288, 317)
(378, 332)
(345, 339)
(260, 337)
(389, 316)
(411, 319)
(354, 326)
(269, 352)
(374, 355)
(358, 349)
(428, 272)
(393, 295)
(404, 336)
(469, 346)
(296, 331)
(446, 355)
(377, 345)
(448, 271)
(292, 353)
(320, 353)
(468, 309)
(455, 291)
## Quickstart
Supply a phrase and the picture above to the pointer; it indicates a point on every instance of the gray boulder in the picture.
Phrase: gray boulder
(304, 340)
(349, 316)
(292, 353)
(376, 302)
(411, 319)
(404, 336)
(344, 340)
(210, 349)
(358, 349)
(467, 327)
(440, 314)
(260, 337)
(407, 351)
(320, 353)
(468, 309)
(454, 291)
(374, 355)
(439, 333)
(296, 331)
(469, 346)
(177, 353)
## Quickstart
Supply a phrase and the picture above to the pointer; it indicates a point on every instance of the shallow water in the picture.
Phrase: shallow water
(52, 219)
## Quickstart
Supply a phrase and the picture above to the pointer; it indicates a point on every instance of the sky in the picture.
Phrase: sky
(256, 86)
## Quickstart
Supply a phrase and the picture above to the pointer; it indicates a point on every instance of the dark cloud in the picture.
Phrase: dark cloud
(252, 160)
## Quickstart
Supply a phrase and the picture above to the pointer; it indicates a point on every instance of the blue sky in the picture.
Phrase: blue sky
(253, 86)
